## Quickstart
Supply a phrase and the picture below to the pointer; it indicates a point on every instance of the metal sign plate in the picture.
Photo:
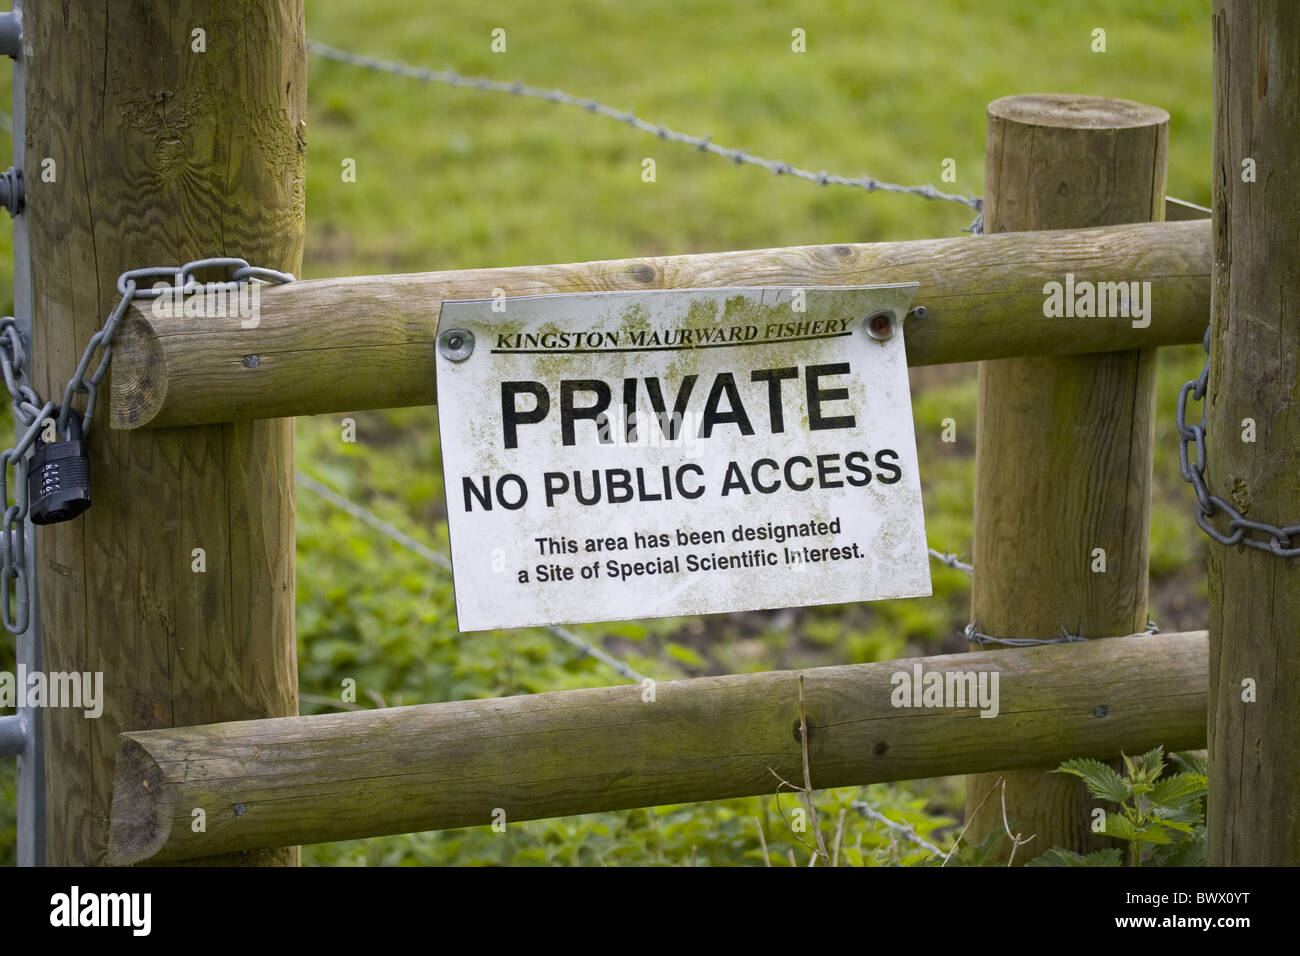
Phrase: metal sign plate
(620, 455)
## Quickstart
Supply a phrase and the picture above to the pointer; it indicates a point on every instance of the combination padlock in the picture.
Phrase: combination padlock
(58, 478)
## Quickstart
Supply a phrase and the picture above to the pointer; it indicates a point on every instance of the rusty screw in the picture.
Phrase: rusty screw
(881, 325)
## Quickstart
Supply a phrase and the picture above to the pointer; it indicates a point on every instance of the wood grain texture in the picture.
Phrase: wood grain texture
(1064, 444)
(404, 769)
(368, 342)
(161, 155)
(1254, 803)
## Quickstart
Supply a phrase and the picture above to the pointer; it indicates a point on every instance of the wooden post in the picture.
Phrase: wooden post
(150, 143)
(1254, 805)
(1064, 445)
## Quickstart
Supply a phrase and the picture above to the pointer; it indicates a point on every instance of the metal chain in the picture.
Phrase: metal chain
(974, 636)
(1282, 541)
(31, 413)
(129, 287)
(741, 157)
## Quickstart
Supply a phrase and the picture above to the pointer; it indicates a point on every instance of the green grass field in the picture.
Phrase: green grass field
(450, 178)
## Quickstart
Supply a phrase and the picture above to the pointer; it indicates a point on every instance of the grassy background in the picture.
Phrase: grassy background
(450, 178)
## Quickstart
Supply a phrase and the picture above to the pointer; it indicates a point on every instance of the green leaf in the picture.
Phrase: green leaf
(985, 853)
(1180, 790)
(1121, 827)
(1191, 763)
(1189, 851)
(851, 856)
(1059, 856)
(1102, 780)
(1192, 814)
(1148, 767)
(1171, 824)
(1153, 835)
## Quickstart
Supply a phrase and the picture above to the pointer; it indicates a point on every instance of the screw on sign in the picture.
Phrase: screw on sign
(881, 325)
(456, 345)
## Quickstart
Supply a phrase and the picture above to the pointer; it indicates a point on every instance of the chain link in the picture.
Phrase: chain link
(1281, 541)
(31, 413)
(130, 286)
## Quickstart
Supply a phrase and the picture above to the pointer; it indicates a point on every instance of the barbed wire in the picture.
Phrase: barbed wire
(741, 157)
(867, 810)
(952, 561)
(975, 636)
(372, 520)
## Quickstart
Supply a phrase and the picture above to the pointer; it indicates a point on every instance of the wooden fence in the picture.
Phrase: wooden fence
(200, 670)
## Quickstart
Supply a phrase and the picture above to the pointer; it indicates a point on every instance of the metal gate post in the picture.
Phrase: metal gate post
(31, 760)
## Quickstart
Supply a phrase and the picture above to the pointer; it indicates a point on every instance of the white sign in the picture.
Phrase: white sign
(621, 455)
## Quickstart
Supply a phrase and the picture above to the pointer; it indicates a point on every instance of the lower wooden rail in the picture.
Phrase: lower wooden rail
(291, 780)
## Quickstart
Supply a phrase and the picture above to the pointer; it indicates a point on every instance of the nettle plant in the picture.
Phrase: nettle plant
(1153, 809)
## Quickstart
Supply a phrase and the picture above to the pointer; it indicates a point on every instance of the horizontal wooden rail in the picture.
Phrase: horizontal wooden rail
(290, 780)
(347, 344)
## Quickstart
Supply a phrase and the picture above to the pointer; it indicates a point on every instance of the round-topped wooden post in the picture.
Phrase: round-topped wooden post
(1064, 445)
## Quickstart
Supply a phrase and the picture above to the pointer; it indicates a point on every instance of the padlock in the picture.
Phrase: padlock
(58, 478)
